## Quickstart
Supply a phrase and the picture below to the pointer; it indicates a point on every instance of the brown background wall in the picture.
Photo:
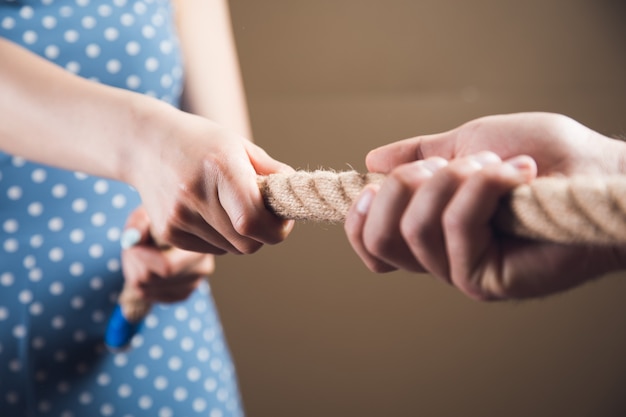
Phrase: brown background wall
(312, 331)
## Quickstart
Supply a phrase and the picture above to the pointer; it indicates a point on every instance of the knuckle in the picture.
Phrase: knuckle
(245, 224)
(500, 288)
(248, 247)
(379, 245)
(483, 287)
(451, 223)
(469, 288)
(416, 230)
(412, 230)
(213, 163)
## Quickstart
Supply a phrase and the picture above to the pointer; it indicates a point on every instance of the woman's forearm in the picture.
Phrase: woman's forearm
(213, 86)
(51, 116)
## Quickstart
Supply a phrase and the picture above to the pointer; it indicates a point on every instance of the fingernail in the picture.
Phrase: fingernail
(521, 162)
(365, 201)
(485, 158)
(520, 167)
(130, 237)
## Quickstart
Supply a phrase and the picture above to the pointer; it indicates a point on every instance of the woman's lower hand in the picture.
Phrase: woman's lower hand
(157, 272)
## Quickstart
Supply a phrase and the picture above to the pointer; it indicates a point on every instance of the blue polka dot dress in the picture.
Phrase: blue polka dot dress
(60, 271)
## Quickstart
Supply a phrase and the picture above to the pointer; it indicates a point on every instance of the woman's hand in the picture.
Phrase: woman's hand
(433, 213)
(159, 273)
(198, 183)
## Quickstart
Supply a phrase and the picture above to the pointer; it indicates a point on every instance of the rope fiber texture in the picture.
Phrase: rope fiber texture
(320, 196)
(574, 210)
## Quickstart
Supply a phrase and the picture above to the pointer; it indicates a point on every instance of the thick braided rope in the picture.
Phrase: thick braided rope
(589, 210)
(577, 210)
(321, 196)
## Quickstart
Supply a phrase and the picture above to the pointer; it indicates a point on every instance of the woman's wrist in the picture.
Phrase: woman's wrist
(151, 122)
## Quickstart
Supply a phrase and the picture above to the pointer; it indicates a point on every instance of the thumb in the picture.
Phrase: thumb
(263, 163)
(387, 157)
(137, 229)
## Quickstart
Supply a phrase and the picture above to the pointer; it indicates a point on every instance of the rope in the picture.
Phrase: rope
(321, 196)
(576, 210)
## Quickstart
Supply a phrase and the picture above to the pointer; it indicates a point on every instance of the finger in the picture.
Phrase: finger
(247, 223)
(172, 293)
(421, 226)
(223, 232)
(165, 276)
(169, 264)
(472, 137)
(136, 229)
(234, 207)
(381, 233)
(387, 157)
(134, 269)
(263, 163)
(468, 229)
(140, 264)
(353, 226)
(191, 242)
(184, 262)
(265, 226)
(190, 231)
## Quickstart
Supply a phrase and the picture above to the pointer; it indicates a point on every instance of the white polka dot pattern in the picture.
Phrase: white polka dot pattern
(60, 269)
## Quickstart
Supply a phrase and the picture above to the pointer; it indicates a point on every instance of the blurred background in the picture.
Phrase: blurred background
(312, 331)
